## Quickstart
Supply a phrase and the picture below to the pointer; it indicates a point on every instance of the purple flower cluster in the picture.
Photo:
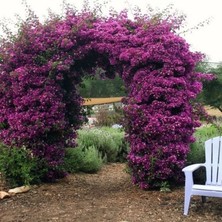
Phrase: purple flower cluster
(41, 109)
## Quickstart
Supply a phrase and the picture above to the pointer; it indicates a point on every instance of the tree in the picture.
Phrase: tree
(95, 87)
(212, 94)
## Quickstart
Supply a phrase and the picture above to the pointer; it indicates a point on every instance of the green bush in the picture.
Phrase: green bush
(73, 159)
(108, 141)
(19, 166)
(92, 160)
(95, 146)
(82, 159)
(197, 152)
(118, 136)
(108, 118)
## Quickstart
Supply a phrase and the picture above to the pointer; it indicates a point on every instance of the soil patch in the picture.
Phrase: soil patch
(108, 195)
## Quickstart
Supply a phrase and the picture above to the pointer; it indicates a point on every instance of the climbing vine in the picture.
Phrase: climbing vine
(40, 107)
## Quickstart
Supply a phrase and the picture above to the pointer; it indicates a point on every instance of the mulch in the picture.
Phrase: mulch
(108, 195)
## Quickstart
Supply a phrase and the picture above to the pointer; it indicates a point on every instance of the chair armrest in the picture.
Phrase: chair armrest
(188, 171)
(193, 167)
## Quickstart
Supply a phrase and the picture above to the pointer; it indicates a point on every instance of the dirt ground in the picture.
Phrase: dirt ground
(106, 196)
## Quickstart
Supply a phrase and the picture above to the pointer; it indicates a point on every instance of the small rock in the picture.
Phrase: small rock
(16, 190)
(3, 194)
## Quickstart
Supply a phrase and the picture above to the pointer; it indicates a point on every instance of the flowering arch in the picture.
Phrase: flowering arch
(41, 109)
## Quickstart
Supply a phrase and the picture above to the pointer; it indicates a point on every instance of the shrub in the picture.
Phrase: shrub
(118, 136)
(108, 118)
(78, 159)
(73, 160)
(92, 160)
(197, 152)
(19, 167)
(109, 142)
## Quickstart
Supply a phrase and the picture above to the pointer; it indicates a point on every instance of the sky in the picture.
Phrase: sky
(206, 39)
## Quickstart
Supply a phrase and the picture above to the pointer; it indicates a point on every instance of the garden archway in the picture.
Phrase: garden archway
(41, 109)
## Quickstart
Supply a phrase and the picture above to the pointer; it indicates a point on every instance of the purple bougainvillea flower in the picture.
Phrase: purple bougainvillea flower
(41, 109)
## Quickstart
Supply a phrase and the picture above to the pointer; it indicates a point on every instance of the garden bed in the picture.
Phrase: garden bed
(106, 196)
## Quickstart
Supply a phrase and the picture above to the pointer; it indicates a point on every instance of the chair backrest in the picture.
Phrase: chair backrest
(213, 156)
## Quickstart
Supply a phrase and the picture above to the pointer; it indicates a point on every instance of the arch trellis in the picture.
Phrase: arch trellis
(41, 109)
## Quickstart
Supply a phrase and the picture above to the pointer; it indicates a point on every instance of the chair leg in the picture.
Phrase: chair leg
(186, 203)
(204, 198)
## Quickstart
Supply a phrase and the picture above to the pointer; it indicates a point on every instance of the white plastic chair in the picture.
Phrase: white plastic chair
(213, 165)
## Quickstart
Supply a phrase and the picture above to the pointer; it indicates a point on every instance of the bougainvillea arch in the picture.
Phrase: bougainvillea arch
(41, 109)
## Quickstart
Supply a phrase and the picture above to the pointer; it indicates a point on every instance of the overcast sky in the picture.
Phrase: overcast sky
(207, 40)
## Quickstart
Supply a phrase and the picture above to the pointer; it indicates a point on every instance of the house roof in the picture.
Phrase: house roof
(100, 101)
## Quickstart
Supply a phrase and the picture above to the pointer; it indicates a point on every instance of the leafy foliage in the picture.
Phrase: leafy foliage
(197, 152)
(109, 142)
(73, 160)
(105, 117)
(95, 146)
(95, 87)
(80, 159)
(211, 94)
(19, 167)
(41, 67)
(92, 160)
